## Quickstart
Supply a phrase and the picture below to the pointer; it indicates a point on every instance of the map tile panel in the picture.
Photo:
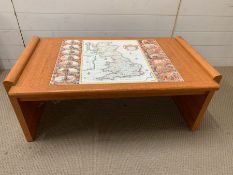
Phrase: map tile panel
(112, 61)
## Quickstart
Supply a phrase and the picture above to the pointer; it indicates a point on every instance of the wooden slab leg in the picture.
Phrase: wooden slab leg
(193, 107)
(28, 114)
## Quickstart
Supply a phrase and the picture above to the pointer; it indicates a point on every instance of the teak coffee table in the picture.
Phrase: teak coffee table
(70, 68)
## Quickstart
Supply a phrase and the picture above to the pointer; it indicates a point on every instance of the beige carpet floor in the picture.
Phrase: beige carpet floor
(143, 136)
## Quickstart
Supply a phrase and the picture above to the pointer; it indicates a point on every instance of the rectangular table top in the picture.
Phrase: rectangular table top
(36, 65)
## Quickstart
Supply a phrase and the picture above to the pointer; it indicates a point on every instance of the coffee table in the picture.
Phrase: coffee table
(29, 82)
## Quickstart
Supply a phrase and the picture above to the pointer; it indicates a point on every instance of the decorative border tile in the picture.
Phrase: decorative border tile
(67, 67)
(161, 65)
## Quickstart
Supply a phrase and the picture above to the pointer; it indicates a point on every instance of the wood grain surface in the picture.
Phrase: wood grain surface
(33, 84)
(28, 84)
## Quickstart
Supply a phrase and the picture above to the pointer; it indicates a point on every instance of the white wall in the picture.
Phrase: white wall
(94, 18)
(206, 24)
(11, 43)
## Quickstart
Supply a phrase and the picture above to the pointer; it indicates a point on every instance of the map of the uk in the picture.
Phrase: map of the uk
(114, 61)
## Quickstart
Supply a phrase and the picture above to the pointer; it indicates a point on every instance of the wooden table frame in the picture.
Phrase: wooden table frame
(192, 98)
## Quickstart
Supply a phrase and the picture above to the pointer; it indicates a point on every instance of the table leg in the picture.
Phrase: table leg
(28, 114)
(193, 107)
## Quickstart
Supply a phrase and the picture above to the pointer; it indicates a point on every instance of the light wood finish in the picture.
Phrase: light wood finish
(193, 107)
(28, 113)
(28, 82)
(18, 68)
(213, 73)
(37, 87)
